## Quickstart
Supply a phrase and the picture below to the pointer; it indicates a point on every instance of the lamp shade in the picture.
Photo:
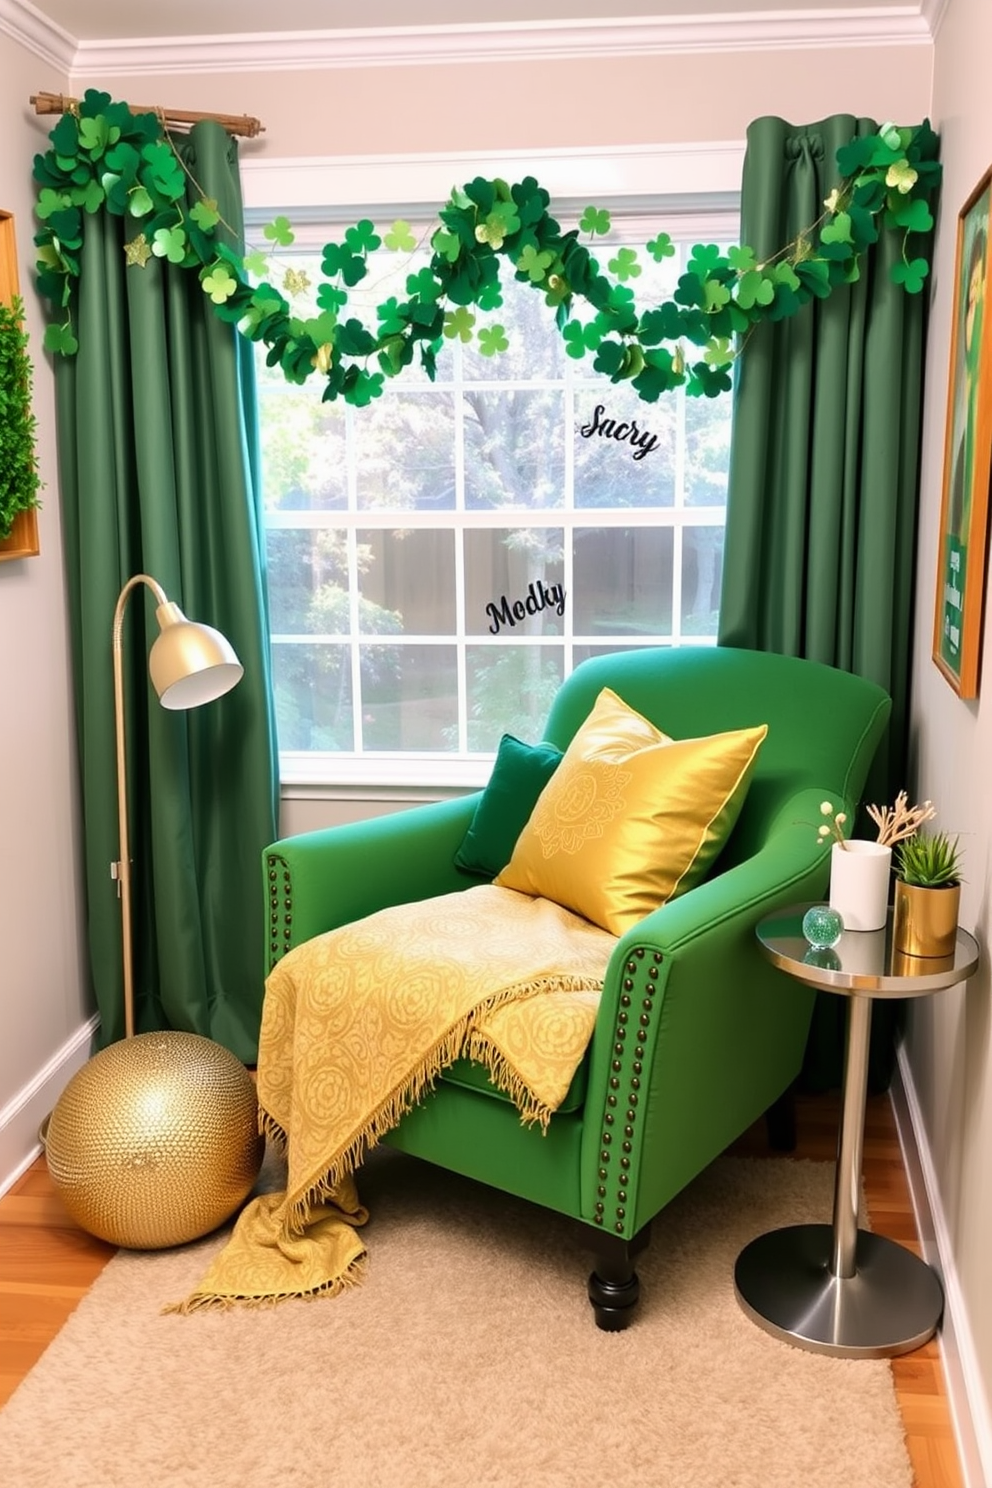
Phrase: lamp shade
(190, 663)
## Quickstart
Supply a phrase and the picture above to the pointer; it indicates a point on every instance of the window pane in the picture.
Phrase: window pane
(625, 450)
(623, 581)
(535, 346)
(308, 581)
(702, 570)
(407, 581)
(409, 698)
(510, 690)
(707, 450)
(312, 685)
(514, 448)
(304, 459)
(505, 567)
(405, 452)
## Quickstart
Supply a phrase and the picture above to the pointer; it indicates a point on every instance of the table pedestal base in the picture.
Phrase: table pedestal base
(890, 1306)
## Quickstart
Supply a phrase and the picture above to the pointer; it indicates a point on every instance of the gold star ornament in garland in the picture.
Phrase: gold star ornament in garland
(296, 281)
(137, 251)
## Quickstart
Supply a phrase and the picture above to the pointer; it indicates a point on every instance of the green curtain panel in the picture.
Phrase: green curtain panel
(158, 467)
(820, 545)
(824, 462)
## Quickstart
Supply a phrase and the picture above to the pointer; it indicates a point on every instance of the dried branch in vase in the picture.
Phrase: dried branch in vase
(896, 823)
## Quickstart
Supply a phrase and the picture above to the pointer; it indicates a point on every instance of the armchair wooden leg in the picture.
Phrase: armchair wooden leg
(614, 1288)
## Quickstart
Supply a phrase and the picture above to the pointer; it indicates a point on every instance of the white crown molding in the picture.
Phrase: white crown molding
(37, 34)
(711, 169)
(404, 46)
(933, 12)
(410, 46)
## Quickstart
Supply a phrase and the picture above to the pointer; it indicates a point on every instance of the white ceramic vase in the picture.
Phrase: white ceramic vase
(859, 883)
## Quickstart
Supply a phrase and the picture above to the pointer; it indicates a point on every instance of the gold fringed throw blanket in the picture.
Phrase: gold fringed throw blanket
(359, 1023)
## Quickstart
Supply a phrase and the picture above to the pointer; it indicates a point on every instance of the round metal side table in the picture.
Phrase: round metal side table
(837, 1289)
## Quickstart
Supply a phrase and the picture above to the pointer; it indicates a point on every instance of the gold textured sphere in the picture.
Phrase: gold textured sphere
(155, 1141)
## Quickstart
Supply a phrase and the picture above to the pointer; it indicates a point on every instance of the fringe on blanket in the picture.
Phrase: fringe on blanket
(465, 1038)
(480, 1048)
(210, 1302)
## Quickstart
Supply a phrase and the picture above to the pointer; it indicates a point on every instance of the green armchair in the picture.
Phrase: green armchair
(697, 1034)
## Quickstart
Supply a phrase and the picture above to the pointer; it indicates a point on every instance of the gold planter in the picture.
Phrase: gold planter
(925, 921)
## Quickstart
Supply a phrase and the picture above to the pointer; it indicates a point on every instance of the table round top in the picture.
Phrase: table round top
(862, 961)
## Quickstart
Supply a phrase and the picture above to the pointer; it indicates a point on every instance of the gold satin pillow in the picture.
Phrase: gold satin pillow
(630, 817)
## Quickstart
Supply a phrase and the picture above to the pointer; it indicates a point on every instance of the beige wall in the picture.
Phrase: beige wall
(42, 1002)
(546, 104)
(949, 1040)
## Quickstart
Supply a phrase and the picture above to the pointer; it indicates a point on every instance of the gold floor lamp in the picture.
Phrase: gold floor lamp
(189, 664)
(155, 1141)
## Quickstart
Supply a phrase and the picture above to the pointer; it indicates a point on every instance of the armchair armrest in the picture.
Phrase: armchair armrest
(686, 992)
(317, 881)
(792, 865)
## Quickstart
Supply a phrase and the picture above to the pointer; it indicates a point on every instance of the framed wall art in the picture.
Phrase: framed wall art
(964, 510)
(18, 471)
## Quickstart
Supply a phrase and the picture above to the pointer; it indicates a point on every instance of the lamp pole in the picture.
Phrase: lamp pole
(190, 664)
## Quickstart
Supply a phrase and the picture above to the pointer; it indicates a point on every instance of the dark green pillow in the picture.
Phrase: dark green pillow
(520, 773)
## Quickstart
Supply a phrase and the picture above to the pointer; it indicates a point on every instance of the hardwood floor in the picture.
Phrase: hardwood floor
(47, 1264)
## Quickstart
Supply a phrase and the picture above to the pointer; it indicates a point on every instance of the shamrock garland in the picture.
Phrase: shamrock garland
(104, 157)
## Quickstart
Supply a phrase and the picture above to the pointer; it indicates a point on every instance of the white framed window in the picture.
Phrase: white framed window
(440, 559)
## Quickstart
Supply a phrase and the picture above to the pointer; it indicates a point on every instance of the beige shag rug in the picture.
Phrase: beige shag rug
(468, 1359)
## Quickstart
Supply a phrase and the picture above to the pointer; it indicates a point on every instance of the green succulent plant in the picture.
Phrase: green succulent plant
(930, 860)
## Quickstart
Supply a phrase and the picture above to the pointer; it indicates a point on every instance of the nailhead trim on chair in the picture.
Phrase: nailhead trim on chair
(633, 1082)
(280, 909)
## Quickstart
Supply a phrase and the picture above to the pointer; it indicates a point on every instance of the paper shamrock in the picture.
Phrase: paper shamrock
(493, 339)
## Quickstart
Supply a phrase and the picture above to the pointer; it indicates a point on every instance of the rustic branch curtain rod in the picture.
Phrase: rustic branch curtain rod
(60, 103)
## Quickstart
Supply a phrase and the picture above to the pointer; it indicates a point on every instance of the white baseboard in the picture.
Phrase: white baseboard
(965, 1389)
(21, 1117)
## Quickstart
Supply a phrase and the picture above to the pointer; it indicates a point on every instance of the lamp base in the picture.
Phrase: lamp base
(155, 1141)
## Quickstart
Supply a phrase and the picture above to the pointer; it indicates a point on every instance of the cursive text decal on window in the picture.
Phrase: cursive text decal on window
(539, 596)
(607, 428)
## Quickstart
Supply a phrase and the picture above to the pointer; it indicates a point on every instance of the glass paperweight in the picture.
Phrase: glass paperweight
(822, 926)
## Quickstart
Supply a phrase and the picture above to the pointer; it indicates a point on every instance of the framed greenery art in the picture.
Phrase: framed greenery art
(963, 544)
(18, 470)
